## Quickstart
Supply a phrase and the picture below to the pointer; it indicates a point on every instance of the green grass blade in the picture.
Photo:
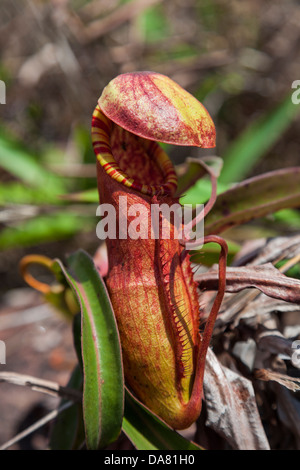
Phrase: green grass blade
(200, 192)
(18, 161)
(88, 196)
(44, 228)
(209, 254)
(256, 140)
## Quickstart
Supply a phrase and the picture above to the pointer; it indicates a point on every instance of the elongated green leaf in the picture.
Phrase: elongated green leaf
(103, 389)
(88, 196)
(153, 23)
(289, 217)
(209, 254)
(256, 140)
(147, 432)
(143, 428)
(43, 228)
(191, 187)
(21, 193)
(19, 162)
(200, 192)
(255, 198)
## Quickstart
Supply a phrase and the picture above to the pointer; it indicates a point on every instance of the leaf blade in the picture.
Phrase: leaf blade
(255, 198)
(17, 160)
(103, 391)
(256, 140)
(147, 432)
(43, 228)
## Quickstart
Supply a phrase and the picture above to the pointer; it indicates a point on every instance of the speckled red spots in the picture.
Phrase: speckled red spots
(154, 107)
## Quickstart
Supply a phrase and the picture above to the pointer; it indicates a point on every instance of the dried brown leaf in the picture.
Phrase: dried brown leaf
(40, 385)
(278, 248)
(292, 383)
(231, 407)
(265, 277)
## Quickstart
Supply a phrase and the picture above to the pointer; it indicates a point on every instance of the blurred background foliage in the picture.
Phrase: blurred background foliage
(238, 58)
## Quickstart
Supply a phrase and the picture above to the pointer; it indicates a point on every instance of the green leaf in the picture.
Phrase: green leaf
(294, 271)
(17, 160)
(20, 193)
(209, 254)
(288, 217)
(88, 196)
(142, 427)
(44, 228)
(200, 192)
(153, 24)
(147, 432)
(103, 390)
(256, 140)
(193, 188)
(255, 198)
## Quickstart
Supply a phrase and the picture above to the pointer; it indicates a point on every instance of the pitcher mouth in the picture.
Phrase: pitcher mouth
(159, 177)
